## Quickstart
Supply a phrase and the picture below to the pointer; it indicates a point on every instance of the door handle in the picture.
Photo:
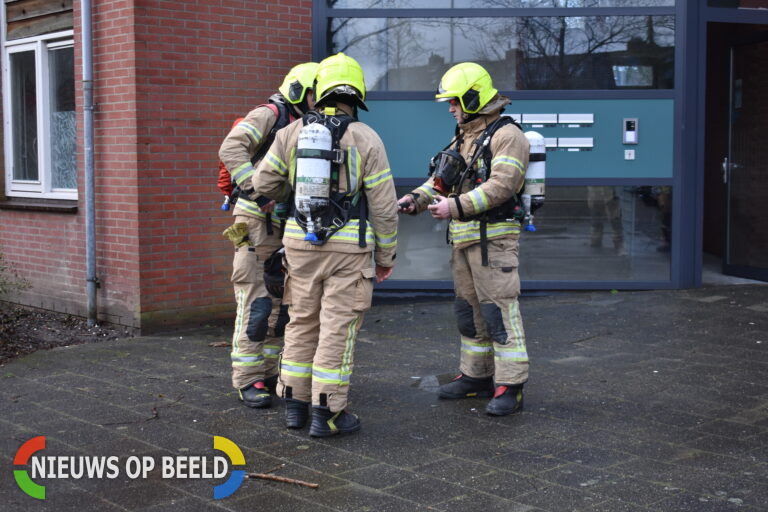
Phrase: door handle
(725, 166)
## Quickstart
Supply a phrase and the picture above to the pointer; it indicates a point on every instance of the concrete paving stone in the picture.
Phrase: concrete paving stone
(478, 450)
(505, 484)
(525, 462)
(60, 496)
(365, 499)
(330, 456)
(189, 504)
(426, 490)
(576, 476)
(377, 476)
(325, 480)
(269, 500)
(555, 498)
(712, 461)
(480, 502)
(687, 502)
(139, 494)
(175, 437)
(730, 429)
(722, 445)
(632, 490)
(593, 456)
(454, 470)
(619, 506)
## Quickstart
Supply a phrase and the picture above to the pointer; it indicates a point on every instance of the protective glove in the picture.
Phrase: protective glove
(237, 234)
(274, 273)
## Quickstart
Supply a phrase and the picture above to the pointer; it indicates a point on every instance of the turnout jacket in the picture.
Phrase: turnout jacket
(509, 151)
(366, 169)
(241, 144)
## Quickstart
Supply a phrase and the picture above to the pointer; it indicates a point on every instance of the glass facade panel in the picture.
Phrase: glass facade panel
(62, 121)
(524, 53)
(24, 113)
(479, 4)
(739, 4)
(585, 233)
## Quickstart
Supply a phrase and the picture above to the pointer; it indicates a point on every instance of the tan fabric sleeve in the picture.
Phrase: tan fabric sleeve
(381, 196)
(270, 178)
(242, 143)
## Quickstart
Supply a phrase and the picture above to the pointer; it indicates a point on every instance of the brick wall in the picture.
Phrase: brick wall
(169, 78)
(199, 65)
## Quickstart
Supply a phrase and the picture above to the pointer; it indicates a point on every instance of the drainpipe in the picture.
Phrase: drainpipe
(92, 282)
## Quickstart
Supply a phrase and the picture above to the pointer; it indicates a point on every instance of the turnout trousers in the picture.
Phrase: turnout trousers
(261, 318)
(488, 314)
(328, 293)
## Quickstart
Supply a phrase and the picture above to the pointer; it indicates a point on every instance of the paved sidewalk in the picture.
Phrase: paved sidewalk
(637, 401)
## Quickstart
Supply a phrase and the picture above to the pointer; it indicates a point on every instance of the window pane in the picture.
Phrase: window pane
(554, 52)
(445, 4)
(62, 80)
(24, 115)
(600, 233)
(597, 233)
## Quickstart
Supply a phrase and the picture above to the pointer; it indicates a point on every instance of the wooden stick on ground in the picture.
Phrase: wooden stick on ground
(265, 476)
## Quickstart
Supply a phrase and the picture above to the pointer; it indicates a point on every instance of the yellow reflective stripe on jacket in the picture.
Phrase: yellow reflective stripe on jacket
(508, 160)
(386, 240)
(294, 369)
(469, 231)
(353, 168)
(429, 191)
(377, 179)
(242, 173)
(253, 209)
(251, 130)
(276, 164)
(348, 234)
(479, 200)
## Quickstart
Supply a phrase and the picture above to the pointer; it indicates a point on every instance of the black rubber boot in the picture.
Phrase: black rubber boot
(296, 413)
(464, 386)
(326, 423)
(256, 395)
(507, 399)
(271, 383)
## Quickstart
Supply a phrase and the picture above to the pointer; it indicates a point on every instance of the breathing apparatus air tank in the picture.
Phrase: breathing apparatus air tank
(533, 190)
(313, 176)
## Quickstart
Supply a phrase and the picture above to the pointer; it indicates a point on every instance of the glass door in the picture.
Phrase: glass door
(745, 168)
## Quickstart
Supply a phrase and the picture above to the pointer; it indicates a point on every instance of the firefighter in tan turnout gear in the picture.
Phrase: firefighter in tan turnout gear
(474, 182)
(256, 233)
(344, 208)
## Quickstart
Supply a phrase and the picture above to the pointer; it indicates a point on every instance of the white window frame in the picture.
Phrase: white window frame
(41, 45)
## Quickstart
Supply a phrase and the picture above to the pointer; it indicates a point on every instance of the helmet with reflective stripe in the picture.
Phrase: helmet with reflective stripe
(300, 78)
(340, 74)
(470, 83)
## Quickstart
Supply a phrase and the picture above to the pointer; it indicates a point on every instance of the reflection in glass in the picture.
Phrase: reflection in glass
(62, 121)
(24, 115)
(593, 233)
(478, 4)
(544, 52)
